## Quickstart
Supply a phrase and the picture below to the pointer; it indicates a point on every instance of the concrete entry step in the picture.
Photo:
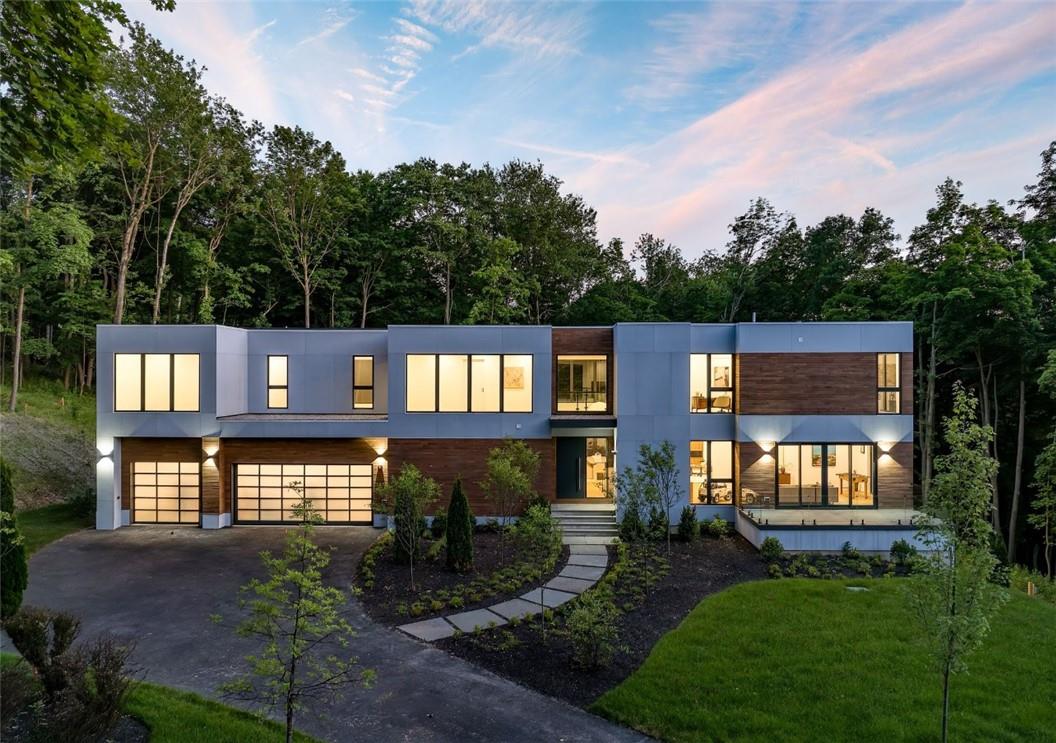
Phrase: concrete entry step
(580, 539)
(556, 508)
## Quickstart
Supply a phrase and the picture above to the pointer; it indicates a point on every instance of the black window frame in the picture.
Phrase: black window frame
(732, 480)
(709, 389)
(356, 386)
(271, 386)
(604, 359)
(873, 476)
(886, 389)
(143, 380)
(469, 385)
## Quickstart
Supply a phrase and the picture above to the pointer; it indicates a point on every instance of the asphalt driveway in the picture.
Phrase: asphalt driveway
(160, 586)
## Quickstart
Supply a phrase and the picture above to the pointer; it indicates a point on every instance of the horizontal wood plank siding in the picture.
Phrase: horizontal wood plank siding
(444, 460)
(894, 477)
(154, 450)
(586, 342)
(756, 471)
(814, 383)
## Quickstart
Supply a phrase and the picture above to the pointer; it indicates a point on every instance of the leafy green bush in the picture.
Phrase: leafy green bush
(849, 552)
(367, 565)
(459, 531)
(438, 526)
(539, 534)
(771, 549)
(631, 527)
(719, 527)
(82, 502)
(593, 630)
(14, 571)
(902, 551)
(775, 570)
(688, 527)
(658, 524)
(1045, 587)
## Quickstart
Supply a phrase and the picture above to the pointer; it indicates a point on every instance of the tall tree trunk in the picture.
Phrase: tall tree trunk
(447, 295)
(159, 275)
(364, 297)
(927, 419)
(16, 358)
(1017, 484)
(985, 373)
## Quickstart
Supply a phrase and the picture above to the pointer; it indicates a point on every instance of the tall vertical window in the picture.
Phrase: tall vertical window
(278, 382)
(711, 472)
(711, 383)
(469, 383)
(156, 382)
(363, 382)
(582, 384)
(888, 389)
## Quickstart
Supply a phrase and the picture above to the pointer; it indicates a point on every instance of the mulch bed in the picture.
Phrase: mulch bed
(392, 583)
(127, 730)
(697, 569)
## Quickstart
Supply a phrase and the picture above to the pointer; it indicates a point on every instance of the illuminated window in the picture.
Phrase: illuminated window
(156, 382)
(460, 383)
(711, 472)
(278, 382)
(268, 493)
(582, 384)
(888, 385)
(363, 382)
(165, 492)
(600, 470)
(711, 383)
(836, 475)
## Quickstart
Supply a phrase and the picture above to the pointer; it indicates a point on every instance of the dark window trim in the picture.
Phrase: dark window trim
(732, 389)
(143, 380)
(557, 383)
(709, 500)
(132, 497)
(469, 385)
(278, 386)
(873, 475)
(897, 389)
(355, 385)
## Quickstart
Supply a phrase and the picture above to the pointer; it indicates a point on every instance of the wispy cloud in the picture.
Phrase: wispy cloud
(598, 157)
(334, 22)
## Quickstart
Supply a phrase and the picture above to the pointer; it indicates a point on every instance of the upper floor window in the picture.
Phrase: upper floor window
(711, 472)
(363, 382)
(469, 383)
(156, 382)
(278, 382)
(888, 384)
(711, 383)
(582, 384)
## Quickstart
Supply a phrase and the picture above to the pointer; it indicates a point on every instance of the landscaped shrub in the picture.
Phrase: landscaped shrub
(631, 527)
(658, 524)
(593, 630)
(14, 573)
(849, 552)
(538, 533)
(459, 531)
(771, 549)
(19, 690)
(688, 527)
(438, 526)
(1044, 588)
(43, 637)
(82, 501)
(902, 551)
(370, 560)
(719, 527)
(775, 570)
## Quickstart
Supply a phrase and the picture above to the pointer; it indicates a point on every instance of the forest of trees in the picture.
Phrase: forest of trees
(132, 195)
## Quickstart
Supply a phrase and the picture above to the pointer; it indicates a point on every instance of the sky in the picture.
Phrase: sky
(667, 118)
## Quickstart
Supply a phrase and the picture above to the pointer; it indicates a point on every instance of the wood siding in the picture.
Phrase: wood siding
(444, 460)
(154, 450)
(894, 477)
(288, 451)
(585, 342)
(756, 472)
(814, 384)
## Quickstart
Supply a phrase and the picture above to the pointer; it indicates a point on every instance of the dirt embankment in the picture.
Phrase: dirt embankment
(51, 461)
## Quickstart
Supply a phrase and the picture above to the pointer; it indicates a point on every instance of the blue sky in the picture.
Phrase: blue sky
(666, 117)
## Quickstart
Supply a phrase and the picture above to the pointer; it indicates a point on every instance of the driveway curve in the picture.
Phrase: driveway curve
(159, 586)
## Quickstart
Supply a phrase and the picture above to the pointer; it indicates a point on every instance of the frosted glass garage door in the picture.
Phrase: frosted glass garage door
(267, 493)
(165, 492)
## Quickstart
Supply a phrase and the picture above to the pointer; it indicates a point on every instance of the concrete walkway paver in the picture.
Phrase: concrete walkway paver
(516, 609)
(572, 585)
(468, 621)
(594, 561)
(582, 572)
(430, 629)
(550, 598)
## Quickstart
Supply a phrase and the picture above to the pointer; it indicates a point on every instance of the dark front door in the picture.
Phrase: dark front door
(571, 464)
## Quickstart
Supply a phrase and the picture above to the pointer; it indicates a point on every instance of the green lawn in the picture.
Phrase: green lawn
(46, 399)
(180, 717)
(808, 660)
(43, 525)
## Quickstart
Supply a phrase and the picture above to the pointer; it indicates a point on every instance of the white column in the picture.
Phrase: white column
(108, 487)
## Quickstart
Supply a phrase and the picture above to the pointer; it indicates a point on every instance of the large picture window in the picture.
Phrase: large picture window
(835, 475)
(469, 383)
(711, 383)
(711, 473)
(363, 382)
(156, 382)
(278, 382)
(582, 384)
(888, 384)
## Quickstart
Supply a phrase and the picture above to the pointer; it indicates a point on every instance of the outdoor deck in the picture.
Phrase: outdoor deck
(826, 530)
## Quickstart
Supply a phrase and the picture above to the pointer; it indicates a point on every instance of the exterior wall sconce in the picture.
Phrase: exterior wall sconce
(885, 446)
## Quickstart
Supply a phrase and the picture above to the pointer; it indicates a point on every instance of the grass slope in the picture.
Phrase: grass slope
(44, 525)
(808, 660)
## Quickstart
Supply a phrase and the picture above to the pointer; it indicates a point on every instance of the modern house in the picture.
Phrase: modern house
(800, 430)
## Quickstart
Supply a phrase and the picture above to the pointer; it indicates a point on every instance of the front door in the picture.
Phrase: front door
(571, 467)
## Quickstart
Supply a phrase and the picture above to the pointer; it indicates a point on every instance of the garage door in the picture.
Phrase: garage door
(165, 492)
(267, 493)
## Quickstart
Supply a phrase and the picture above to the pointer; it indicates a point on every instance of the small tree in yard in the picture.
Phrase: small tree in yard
(405, 499)
(660, 469)
(459, 531)
(14, 573)
(953, 596)
(508, 486)
(300, 623)
(1043, 515)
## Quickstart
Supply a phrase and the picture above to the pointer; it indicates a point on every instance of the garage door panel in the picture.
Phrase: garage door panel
(339, 493)
(166, 492)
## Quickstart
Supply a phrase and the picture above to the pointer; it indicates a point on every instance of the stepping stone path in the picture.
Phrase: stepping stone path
(586, 564)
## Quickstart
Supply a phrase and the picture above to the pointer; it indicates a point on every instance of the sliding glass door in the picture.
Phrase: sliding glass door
(826, 475)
